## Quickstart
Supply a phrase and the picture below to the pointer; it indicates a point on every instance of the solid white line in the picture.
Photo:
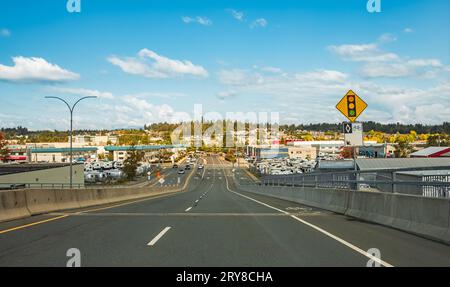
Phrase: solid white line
(154, 240)
(340, 240)
(189, 208)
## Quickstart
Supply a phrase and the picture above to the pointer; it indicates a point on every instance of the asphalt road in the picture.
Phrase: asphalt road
(212, 223)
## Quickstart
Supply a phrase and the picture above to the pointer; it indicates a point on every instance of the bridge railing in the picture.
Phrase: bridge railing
(9, 186)
(428, 181)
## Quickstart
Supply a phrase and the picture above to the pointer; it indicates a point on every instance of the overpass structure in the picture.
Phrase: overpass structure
(222, 216)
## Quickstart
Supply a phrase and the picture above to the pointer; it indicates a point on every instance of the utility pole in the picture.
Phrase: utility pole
(71, 108)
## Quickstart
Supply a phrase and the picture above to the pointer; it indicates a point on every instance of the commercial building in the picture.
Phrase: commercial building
(267, 152)
(432, 152)
(17, 153)
(303, 152)
(60, 155)
(376, 150)
(95, 140)
(151, 152)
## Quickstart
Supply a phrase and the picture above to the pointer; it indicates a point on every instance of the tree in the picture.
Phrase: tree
(4, 151)
(131, 163)
(403, 147)
(438, 140)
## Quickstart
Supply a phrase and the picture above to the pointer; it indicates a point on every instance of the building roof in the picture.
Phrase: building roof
(426, 172)
(398, 163)
(18, 168)
(62, 150)
(432, 151)
(335, 164)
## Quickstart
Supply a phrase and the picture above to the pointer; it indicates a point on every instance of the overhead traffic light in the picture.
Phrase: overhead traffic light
(351, 105)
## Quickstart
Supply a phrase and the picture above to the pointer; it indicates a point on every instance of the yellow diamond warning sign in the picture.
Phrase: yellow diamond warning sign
(351, 106)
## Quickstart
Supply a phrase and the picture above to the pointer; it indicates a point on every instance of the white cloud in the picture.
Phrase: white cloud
(323, 76)
(362, 53)
(319, 82)
(145, 112)
(226, 95)
(425, 63)
(238, 15)
(377, 63)
(5, 32)
(274, 70)
(312, 95)
(199, 20)
(35, 70)
(151, 65)
(163, 95)
(409, 105)
(261, 22)
(374, 70)
(83, 92)
(387, 38)
(404, 68)
(408, 30)
(239, 77)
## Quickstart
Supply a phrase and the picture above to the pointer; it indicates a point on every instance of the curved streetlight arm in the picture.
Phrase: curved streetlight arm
(67, 104)
(62, 100)
(79, 100)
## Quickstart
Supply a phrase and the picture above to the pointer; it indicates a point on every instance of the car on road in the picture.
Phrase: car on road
(175, 166)
(200, 166)
(181, 171)
(188, 166)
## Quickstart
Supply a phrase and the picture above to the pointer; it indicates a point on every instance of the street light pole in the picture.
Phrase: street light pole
(71, 108)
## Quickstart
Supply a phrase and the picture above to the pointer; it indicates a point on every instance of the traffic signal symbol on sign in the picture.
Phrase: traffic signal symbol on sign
(351, 106)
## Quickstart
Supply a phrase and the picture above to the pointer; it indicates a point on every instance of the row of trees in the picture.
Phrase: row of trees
(4, 151)
(370, 125)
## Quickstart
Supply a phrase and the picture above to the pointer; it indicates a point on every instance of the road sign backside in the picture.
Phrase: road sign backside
(351, 106)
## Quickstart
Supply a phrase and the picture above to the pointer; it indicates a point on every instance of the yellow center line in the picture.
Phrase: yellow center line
(31, 224)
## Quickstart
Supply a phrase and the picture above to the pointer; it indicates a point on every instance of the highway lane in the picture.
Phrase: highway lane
(210, 225)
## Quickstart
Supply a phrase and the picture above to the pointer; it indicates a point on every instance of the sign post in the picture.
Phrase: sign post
(352, 106)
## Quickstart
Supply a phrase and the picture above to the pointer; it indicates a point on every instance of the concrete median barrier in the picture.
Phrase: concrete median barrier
(41, 200)
(426, 217)
(333, 200)
(16, 204)
(13, 205)
(66, 199)
(86, 197)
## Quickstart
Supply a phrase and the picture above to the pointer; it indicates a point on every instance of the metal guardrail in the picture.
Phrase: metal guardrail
(383, 180)
(8, 186)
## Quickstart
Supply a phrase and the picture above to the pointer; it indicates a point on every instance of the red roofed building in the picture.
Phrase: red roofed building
(432, 151)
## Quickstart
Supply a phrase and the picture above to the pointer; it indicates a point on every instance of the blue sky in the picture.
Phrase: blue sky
(151, 61)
